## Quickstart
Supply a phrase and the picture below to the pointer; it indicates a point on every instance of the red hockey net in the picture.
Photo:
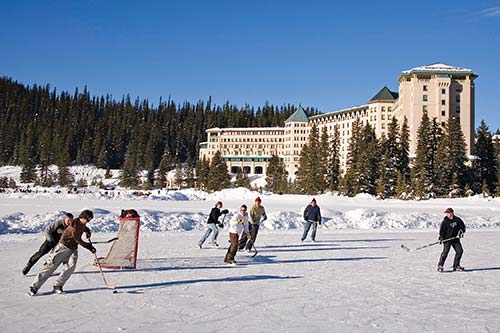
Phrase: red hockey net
(123, 252)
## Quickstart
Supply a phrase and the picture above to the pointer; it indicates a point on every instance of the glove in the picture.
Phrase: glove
(225, 211)
(319, 222)
(88, 234)
(265, 218)
(91, 249)
(240, 221)
(221, 225)
(461, 234)
(440, 240)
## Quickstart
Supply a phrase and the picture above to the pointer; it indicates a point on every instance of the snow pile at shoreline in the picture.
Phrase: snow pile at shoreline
(159, 221)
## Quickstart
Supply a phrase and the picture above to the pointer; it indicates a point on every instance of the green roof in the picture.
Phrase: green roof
(385, 95)
(298, 116)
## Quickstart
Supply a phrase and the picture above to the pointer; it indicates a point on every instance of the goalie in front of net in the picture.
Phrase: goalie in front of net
(237, 225)
(65, 252)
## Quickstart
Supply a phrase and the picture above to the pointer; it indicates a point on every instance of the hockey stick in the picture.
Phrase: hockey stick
(318, 223)
(404, 247)
(255, 249)
(109, 286)
(108, 241)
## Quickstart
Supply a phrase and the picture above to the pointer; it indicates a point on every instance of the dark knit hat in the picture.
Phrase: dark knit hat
(449, 210)
(69, 215)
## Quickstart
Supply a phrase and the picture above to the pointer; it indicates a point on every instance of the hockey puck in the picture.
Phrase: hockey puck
(115, 291)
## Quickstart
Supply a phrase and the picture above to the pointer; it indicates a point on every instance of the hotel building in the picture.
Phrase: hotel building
(438, 89)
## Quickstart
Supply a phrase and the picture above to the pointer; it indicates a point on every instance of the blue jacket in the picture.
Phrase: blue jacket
(312, 213)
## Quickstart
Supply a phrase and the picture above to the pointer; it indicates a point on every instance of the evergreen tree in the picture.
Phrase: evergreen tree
(218, 177)
(64, 176)
(323, 160)
(367, 161)
(391, 156)
(334, 161)
(487, 161)
(452, 169)
(130, 170)
(310, 175)
(179, 175)
(349, 184)
(164, 167)
(189, 173)
(242, 179)
(404, 150)
(276, 179)
(202, 170)
(427, 141)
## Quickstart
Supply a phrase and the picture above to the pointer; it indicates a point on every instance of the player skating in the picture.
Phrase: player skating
(213, 225)
(237, 225)
(312, 216)
(255, 217)
(452, 229)
(65, 252)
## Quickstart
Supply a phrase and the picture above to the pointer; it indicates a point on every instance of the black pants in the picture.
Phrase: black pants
(254, 230)
(458, 252)
(44, 249)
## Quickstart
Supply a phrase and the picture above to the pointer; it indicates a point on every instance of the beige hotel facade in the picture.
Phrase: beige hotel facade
(439, 89)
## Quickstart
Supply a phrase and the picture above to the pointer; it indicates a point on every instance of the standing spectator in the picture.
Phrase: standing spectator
(312, 216)
(452, 226)
(237, 225)
(257, 212)
(213, 225)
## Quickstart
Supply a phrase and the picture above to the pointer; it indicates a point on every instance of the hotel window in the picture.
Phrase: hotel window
(425, 98)
(383, 126)
(443, 112)
(383, 108)
(443, 102)
(425, 88)
(457, 109)
(443, 124)
(457, 98)
(424, 108)
(443, 91)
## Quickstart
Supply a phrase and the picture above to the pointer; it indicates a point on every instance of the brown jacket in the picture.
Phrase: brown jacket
(72, 236)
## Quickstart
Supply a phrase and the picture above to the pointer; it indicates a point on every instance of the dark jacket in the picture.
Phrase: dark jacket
(312, 213)
(72, 236)
(213, 218)
(54, 231)
(450, 228)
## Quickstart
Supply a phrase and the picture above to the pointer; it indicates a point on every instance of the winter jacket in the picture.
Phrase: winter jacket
(238, 223)
(54, 231)
(72, 236)
(450, 228)
(256, 214)
(215, 213)
(312, 213)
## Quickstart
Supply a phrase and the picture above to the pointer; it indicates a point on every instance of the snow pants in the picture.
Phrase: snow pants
(457, 246)
(306, 230)
(44, 249)
(254, 230)
(59, 255)
(231, 252)
(212, 229)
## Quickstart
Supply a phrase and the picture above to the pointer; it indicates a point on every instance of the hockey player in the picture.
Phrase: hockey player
(312, 216)
(257, 212)
(452, 226)
(213, 224)
(237, 225)
(53, 233)
(65, 252)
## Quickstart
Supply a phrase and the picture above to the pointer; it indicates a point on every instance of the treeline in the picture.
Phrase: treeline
(41, 127)
(382, 166)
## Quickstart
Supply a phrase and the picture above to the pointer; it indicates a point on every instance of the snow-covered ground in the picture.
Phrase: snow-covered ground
(356, 278)
(348, 281)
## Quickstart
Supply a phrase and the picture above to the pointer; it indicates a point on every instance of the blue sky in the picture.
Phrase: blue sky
(325, 54)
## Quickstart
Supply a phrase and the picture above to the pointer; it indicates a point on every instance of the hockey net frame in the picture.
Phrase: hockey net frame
(123, 253)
